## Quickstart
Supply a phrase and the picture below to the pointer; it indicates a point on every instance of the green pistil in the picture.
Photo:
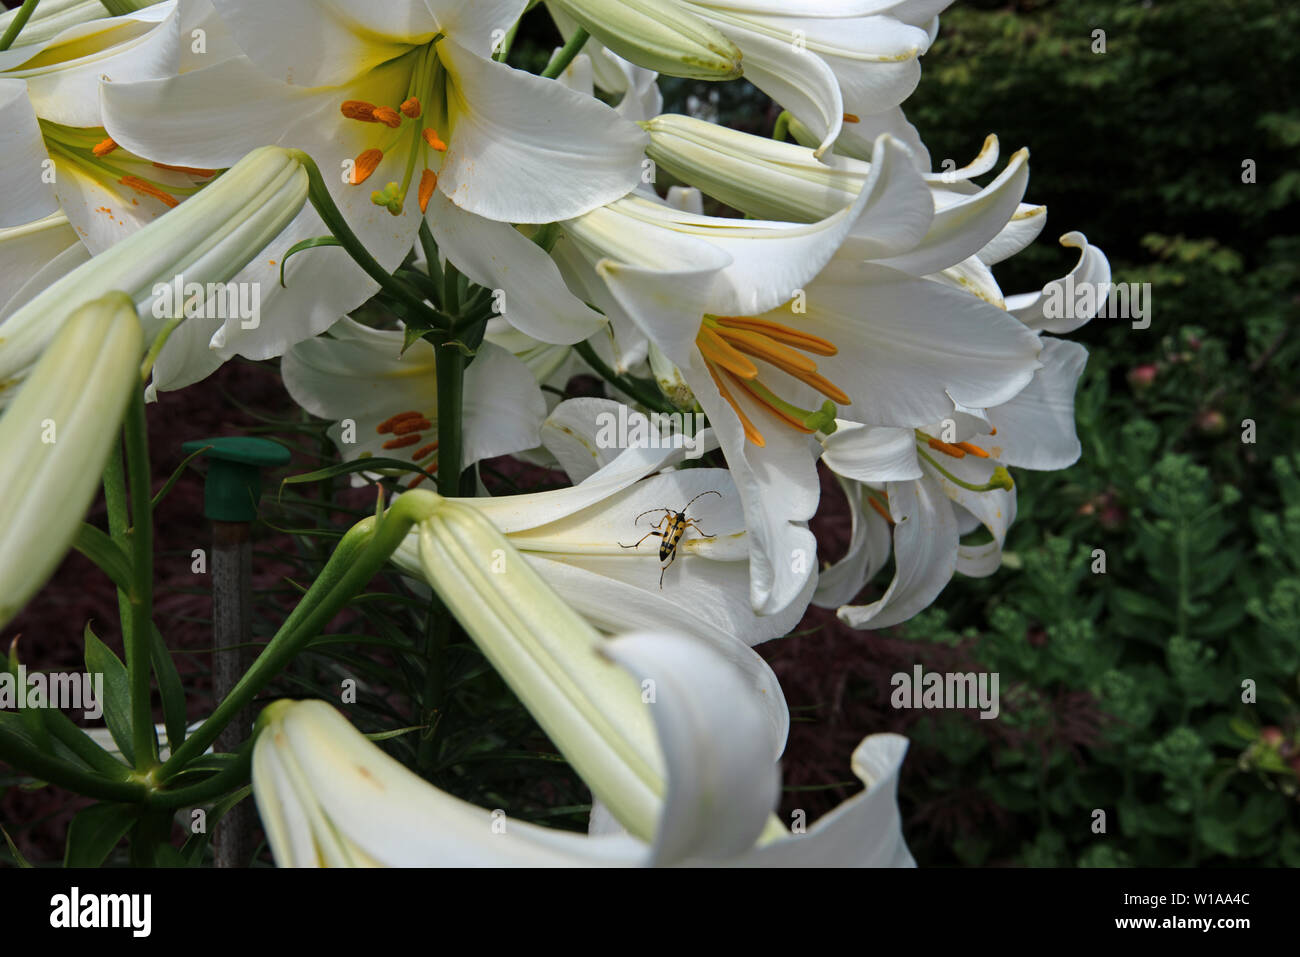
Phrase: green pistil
(819, 420)
(1001, 478)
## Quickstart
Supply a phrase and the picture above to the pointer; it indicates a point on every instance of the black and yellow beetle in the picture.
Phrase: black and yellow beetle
(669, 537)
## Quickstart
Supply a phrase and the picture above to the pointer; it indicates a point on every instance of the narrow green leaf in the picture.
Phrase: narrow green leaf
(105, 553)
(175, 476)
(170, 689)
(357, 465)
(117, 692)
(306, 244)
(13, 849)
(94, 833)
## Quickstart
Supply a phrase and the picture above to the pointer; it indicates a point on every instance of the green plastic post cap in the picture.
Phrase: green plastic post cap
(234, 482)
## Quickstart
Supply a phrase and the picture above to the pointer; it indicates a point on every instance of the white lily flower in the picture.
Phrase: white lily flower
(55, 440)
(574, 539)
(925, 493)
(206, 240)
(384, 402)
(830, 65)
(51, 130)
(403, 96)
(329, 797)
(738, 305)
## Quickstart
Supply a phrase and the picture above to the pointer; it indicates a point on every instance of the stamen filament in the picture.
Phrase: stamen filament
(778, 407)
(751, 430)
(1001, 478)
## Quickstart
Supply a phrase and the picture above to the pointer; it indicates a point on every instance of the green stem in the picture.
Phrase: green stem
(223, 782)
(359, 555)
(1001, 477)
(451, 289)
(507, 42)
(118, 521)
(18, 753)
(652, 402)
(781, 131)
(566, 54)
(139, 637)
(17, 23)
(450, 364)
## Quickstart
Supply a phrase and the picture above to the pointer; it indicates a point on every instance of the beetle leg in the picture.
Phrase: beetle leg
(671, 558)
(642, 539)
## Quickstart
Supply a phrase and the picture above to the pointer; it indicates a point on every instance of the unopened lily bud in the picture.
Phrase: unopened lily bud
(659, 35)
(758, 176)
(207, 239)
(54, 438)
(548, 653)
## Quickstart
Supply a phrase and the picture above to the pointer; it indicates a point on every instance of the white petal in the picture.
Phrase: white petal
(570, 434)
(1036, 428)
(716, 741)
(1093, 269)
(524, 149)
(910, 348)
(142, 46)
(1022, 230)
(26, 249)
(868, 454)
(497, 256)
(870, 544)
(476, 24)
(925, 555)
(961, 229)
(503, 409)
(28, 196)
(864, 831)
(323, 42)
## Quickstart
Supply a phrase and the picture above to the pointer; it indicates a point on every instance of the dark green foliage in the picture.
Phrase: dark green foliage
(1130, 684)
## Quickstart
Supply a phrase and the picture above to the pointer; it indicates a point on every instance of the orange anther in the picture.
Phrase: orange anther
(948, 449)
(434, 140)
(428, 183)
(388, 116)
(359, 110)
(149, 189)
(365, 165)
(401, 443)
(104, 147)
(974, 450)
(411, 107)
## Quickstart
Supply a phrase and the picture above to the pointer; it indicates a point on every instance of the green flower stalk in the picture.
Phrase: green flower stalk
(207, 239)
(659, 35)
(55, 436)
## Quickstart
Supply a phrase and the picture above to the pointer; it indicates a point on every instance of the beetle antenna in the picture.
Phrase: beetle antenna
(701, 495)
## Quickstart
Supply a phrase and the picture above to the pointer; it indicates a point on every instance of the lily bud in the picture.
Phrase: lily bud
(207, 239)
(549, 655)
(659, 35)
(762, 177)
(55, 436)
